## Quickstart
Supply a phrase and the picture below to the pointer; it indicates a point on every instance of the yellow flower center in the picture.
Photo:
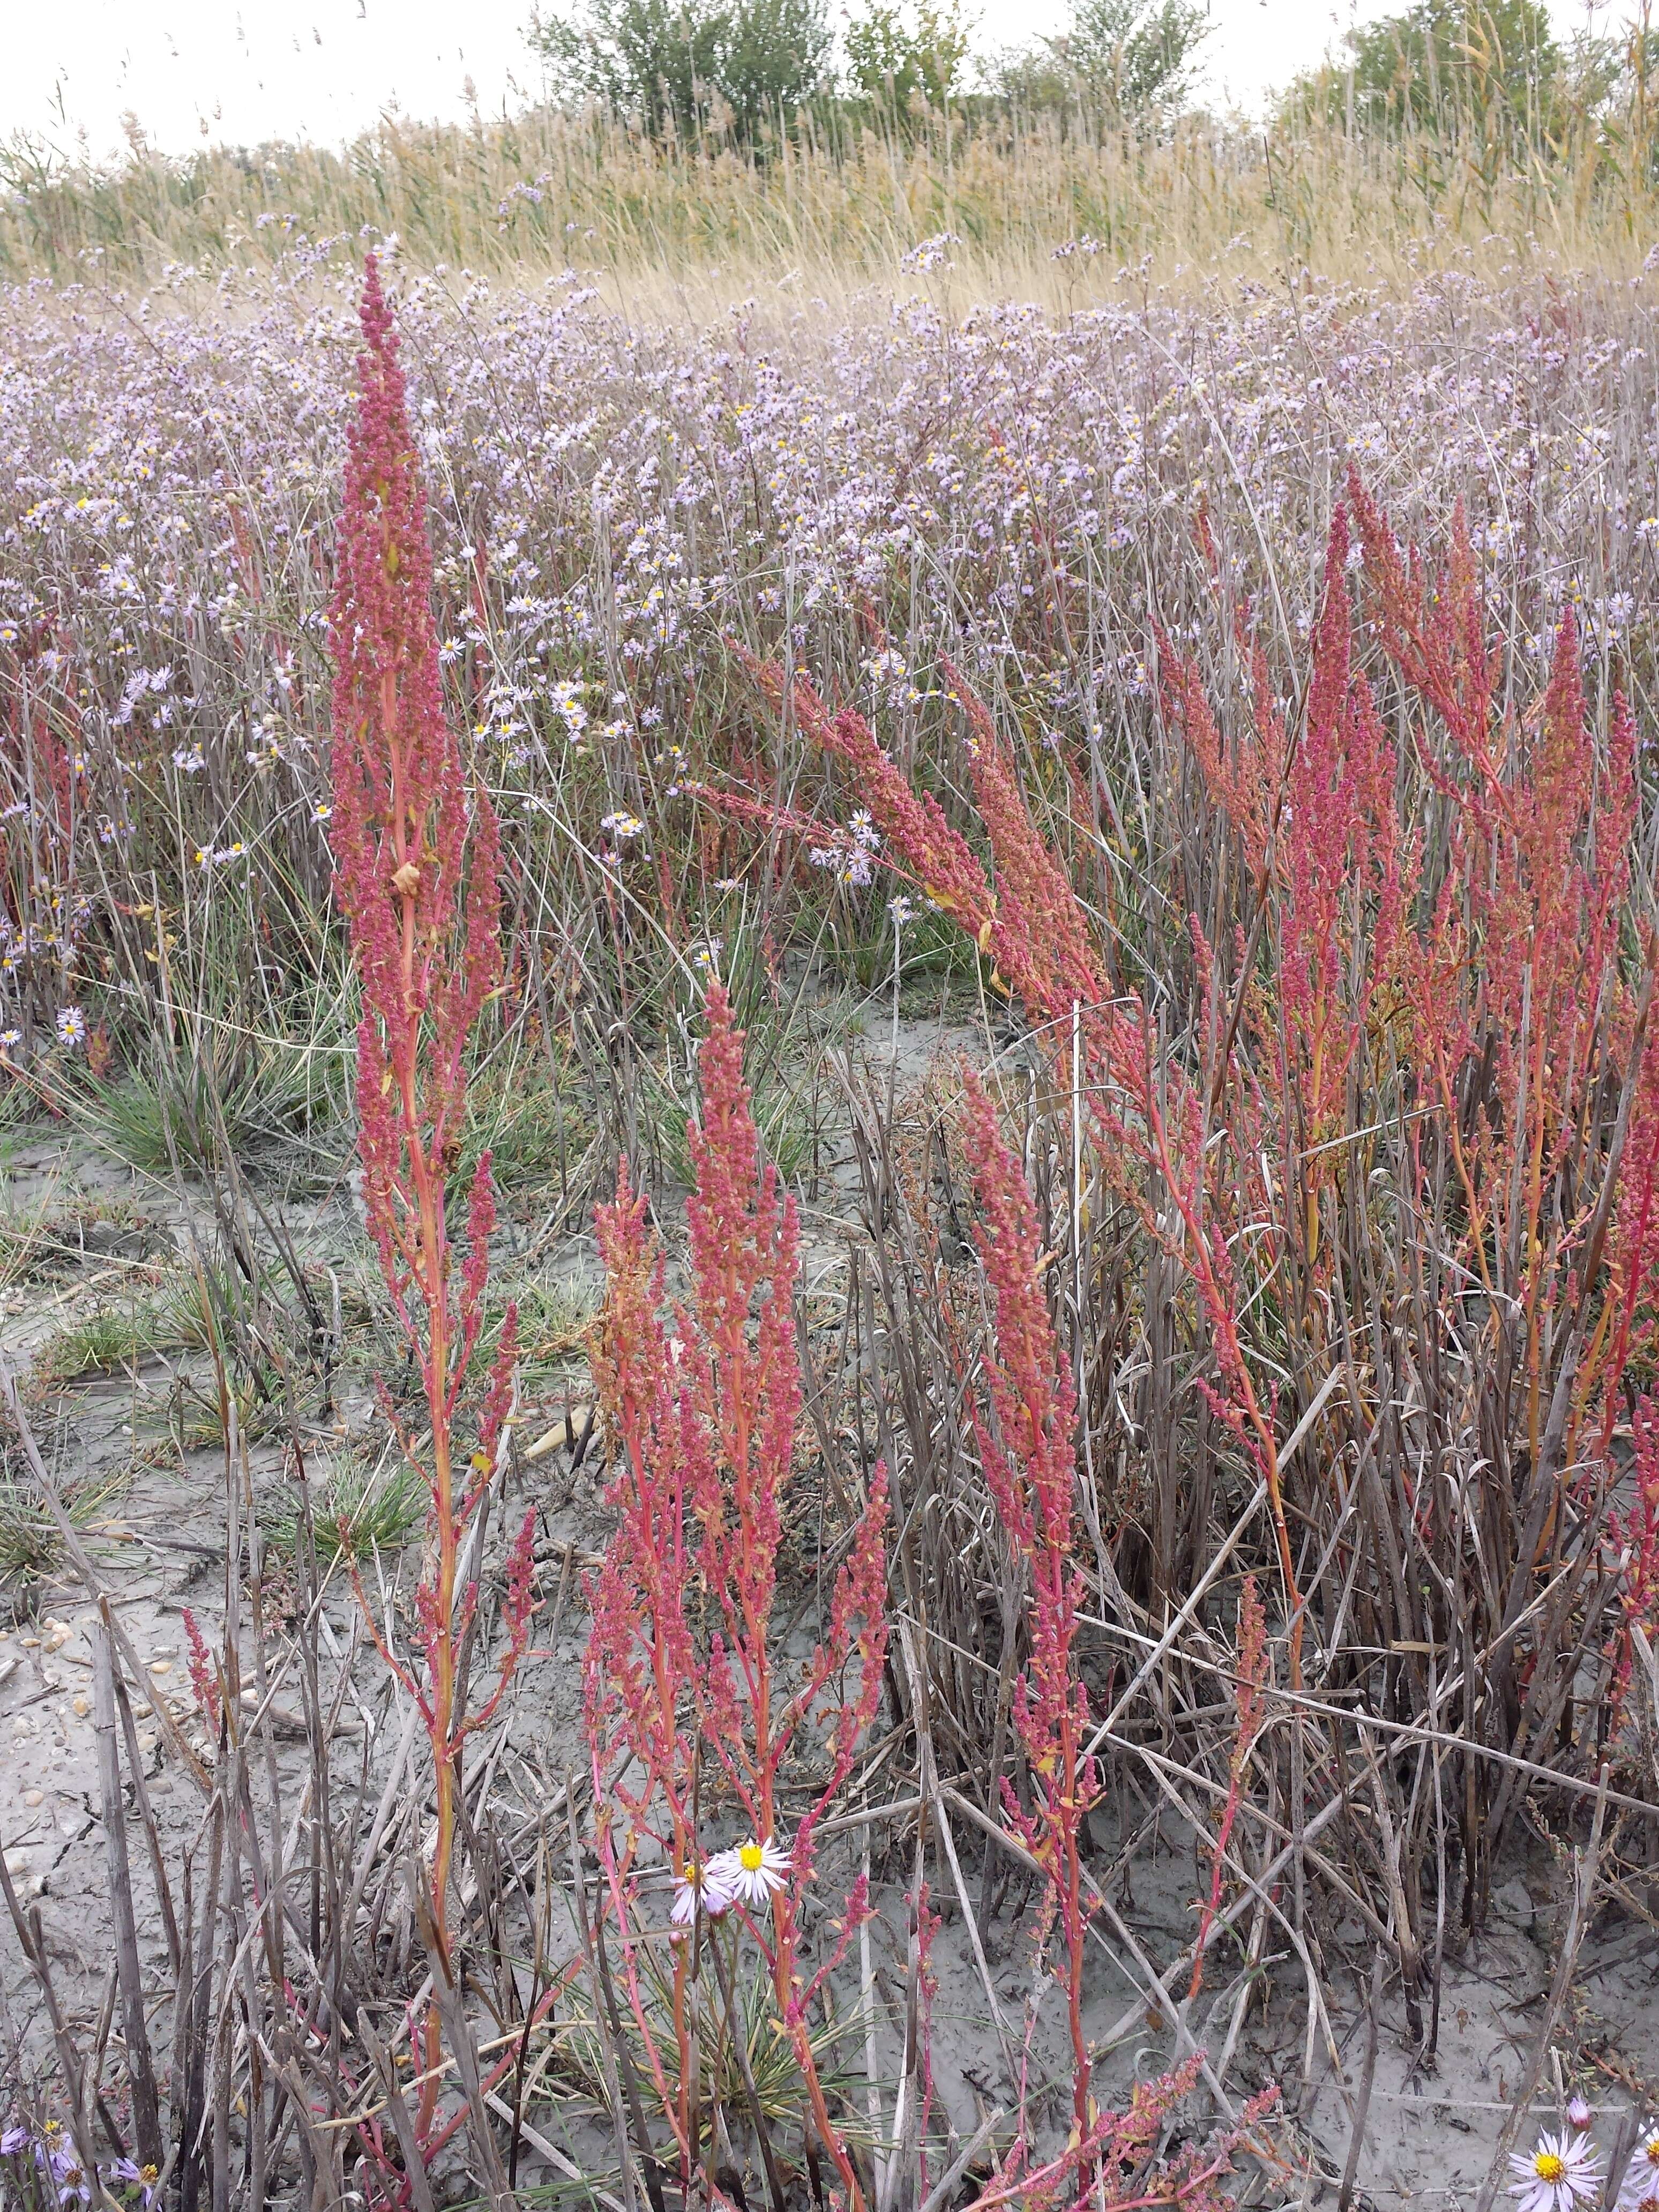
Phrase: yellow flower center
(751, 1857)
(692, 1873)
(1548, 2168)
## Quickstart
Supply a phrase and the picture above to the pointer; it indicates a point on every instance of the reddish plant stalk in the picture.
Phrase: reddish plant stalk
(416, 863)
(1635, 1534)
(708, 1424)
(640, 1659)
(1517, 990)
(742, 1406)
(1033, 927)
(1028, 1451)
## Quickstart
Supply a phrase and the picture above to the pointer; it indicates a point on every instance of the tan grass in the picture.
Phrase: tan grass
(686, 229)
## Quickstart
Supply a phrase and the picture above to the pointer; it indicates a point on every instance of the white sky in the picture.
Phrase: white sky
(243, 70)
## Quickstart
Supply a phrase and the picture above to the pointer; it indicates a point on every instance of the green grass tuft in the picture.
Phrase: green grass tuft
(30, 1544)
(357, 1511)
(110, 1339)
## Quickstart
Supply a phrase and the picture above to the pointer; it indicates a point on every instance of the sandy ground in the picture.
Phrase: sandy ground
(157, 1542)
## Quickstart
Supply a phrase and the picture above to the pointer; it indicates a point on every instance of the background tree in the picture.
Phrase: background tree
(1120, 57)
(684, 65)
(898, 57)
(1449, 66)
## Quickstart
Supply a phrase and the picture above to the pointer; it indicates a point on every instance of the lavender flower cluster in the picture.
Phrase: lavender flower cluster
(41, 2168)
(611, 503)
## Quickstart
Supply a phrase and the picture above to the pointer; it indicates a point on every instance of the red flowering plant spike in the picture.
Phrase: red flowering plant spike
(708, 1422)
(1147, 1119)
(1435, 627)
(1027, 1449)
(1632, 1226)
(1431, 985)
(1524, 974)
(1527, 1032)
(1243, 781)
(641, 1661)
(1318, 824)
(1123, 2172)
(1040, 938)
(1635, 1538)
(204, 1675)
(417, 862)
(938, 859)
(1344, 878)
(1036, 931)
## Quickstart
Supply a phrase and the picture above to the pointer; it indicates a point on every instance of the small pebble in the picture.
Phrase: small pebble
(34, 1797)
(161, 1667)
(82, 1705)
(17, 1861)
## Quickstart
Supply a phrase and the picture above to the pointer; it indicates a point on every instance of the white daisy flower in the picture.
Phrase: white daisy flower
(1641, 2185)
(752, 1872)
(72, 1025)
(696, 1886)
(1562, 2173)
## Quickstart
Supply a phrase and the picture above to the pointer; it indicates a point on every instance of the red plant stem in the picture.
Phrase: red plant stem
(748, 1379)
(1033, 925)
(1237, 1372)
(418, 876)
(1030, 1467)
(708, 1428)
